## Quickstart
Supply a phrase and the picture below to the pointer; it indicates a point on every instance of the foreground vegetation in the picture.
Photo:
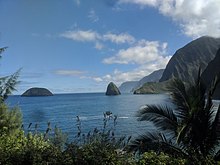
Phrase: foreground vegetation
(188, 134)
(191, 130)
(96, 147)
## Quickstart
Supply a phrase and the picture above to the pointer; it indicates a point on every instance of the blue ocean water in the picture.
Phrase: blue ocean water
(61, 111)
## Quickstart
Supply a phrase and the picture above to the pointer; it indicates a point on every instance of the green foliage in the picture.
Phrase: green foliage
(98, 153)
(99, 146)
(191, 130)
(27, 149)
(153, 88)
(59, 139)
(151, 158)
(7, 83)
(10, 119)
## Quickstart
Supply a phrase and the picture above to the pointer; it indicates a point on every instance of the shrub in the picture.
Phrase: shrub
(28, 149)
(10, 119)
(152, 158)
(99, 146)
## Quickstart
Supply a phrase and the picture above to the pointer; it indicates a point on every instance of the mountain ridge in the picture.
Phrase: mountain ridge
(187, 60)
(202, 53)
(131, 86)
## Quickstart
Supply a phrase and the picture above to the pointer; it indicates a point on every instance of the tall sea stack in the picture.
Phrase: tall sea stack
(112, 89)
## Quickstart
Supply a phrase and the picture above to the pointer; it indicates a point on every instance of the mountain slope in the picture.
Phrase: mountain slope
(130, 86)
(211, 71)
(126, 87)
(153, 77)
(153, 88)
(186, 61)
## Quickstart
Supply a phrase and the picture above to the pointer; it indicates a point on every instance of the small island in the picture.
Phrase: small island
(112, 89)
(32, 92)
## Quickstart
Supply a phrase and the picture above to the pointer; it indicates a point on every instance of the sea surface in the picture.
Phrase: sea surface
(61, 110)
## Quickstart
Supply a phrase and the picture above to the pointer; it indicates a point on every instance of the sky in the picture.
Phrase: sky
(79, 46)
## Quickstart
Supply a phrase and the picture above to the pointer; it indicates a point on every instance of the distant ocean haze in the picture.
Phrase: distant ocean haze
(61, 110)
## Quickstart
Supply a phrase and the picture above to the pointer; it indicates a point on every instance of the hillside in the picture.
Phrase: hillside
(153, 88)
(211, 71)
(186, 61)
(126, 87)
(131, 86)
(153, 77)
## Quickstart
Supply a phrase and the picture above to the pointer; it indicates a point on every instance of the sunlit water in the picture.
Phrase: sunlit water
(61, 111)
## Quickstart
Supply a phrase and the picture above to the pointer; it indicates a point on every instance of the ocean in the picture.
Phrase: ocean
(61, 110)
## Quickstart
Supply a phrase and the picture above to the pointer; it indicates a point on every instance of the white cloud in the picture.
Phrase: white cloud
(80, 35)
(69, 72)
(93, 16)
(97, 79)
(136, 74)
(144, 52)
(149, 55)
(196, 17)
(89, 35)
(120, 38)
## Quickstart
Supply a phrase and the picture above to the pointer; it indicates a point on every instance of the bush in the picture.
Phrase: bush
(99, 147)
(28, 149)
(98, 153)
(10, 119)
(152, 158)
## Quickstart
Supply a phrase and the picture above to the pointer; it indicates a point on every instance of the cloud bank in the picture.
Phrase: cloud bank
(148, 55)
(195, 17)
(144, 56)
(141, 53)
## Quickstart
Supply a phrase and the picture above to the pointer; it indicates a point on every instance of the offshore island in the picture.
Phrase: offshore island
(32, 92)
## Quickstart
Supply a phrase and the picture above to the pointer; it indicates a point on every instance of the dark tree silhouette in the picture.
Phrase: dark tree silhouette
(190, 130)
(7, 83)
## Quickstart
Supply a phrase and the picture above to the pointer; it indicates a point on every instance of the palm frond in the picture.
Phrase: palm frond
(182, 133)
(179, 97)
(197, 92)
(146, 142)
(155, 141)
(162, 117)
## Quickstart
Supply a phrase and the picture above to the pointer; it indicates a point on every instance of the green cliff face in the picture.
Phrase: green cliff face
(211, 71)
(112, 89)
(131, 86)
(203, 53)
(153, 88)
(186, 62)
(37, 92)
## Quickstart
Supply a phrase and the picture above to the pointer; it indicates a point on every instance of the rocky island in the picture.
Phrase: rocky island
(37, 92)
(112, 89)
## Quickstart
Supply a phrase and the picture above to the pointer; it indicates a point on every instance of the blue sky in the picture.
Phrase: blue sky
(71, 46)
